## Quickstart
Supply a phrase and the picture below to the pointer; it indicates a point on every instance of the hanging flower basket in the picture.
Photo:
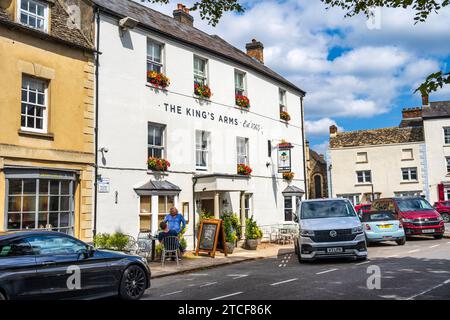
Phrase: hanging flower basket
(242, 101)
(288, 176)
(244, 170)
(284, 115)
(158, 79)
(157, 164)
(202, 90)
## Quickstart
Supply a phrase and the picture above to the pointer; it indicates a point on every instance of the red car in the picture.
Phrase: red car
(365, 207)
(443, 207)
(416, 214)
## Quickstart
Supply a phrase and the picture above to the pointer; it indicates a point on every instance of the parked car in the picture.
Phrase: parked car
(382, 226)
(362, 208)
(329, 228)
(52, 265)
(416, 214)
(443, 207)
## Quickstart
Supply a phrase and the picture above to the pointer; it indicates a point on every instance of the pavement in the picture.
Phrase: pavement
(190, 262)
(418, 270)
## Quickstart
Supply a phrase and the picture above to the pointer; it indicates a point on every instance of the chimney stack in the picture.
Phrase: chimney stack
(425, 100)
(411, 113)
(333, 130)
(182, 15)
(255, 49)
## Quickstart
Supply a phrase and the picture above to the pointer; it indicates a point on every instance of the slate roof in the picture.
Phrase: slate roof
(293, 190)
(59, 29)
(313, 154)
(377, 137)
(167, 26)
(438, 109)
(154, 185)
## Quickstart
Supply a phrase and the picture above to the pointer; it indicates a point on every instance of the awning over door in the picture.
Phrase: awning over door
(222, 183)
(154, 187)
(291, 191)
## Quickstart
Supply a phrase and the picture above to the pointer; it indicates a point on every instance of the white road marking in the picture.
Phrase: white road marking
(326, 271)
(171, 293)
(392, 256)
(208, 284)
(226, 296)
(285, 281)
(431, 289)
(237, 276)
(364, 262)
(436, 245)
(412, 251)
(199, 274)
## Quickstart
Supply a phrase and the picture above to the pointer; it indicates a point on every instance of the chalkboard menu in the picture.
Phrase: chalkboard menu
(211, 237)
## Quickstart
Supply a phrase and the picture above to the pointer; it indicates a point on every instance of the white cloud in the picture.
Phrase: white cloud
(319, 127)
(321, 148)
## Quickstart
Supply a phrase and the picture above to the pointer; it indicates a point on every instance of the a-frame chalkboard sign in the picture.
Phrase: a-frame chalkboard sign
(211, 237)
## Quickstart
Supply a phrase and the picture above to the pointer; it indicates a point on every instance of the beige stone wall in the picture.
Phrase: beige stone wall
(69, 143)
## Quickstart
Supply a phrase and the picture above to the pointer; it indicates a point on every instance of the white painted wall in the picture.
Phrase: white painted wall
(385, 162)
(437, 151)
(127, 104)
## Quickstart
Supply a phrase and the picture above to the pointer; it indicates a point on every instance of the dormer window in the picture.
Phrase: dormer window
(33, 14)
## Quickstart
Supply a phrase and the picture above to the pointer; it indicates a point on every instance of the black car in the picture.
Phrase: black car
(52, 265)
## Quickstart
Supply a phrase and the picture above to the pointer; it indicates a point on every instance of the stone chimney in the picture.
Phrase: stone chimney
(411, 113)
(255, 49)
(425, 100)
(333, 130)
(181, 14)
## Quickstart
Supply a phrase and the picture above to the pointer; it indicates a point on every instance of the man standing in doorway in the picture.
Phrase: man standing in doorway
(175, 221)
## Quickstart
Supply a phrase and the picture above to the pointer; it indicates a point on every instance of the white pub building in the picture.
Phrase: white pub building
(218, 109)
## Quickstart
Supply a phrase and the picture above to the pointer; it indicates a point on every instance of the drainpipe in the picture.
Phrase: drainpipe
(304, 146)
(194, 179)
(97, 58)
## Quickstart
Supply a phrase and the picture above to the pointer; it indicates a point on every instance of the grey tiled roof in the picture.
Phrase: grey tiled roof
(437, 109)
(163, 24)
(154, 185)
(59, 29)
(377, 137)
(293, 189)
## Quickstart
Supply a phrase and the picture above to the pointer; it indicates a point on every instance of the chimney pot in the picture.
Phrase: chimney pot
(333, 130)
(181, 14)
(255, 49)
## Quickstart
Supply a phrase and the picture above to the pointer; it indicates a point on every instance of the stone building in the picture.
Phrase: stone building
(46, 116)
(317, 180)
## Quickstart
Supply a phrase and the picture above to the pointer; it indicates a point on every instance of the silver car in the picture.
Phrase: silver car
(329, 228)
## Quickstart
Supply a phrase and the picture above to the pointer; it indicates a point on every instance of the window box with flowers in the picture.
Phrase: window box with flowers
(244, 170)
(158, 79)
(242, 101)
(284, 115)
(202, 91)
(288, 176)
(157, 164)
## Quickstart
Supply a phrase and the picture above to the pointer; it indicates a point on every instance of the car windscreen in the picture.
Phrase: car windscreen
(378, 216)
(326, 209)
(413, 205)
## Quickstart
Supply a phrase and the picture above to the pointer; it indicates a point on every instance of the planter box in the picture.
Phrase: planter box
(251, 244)
(230, 247)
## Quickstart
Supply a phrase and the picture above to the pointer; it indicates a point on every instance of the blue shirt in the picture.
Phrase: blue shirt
(175, 222)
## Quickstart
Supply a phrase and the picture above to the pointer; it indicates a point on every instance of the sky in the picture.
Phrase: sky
(358, 74)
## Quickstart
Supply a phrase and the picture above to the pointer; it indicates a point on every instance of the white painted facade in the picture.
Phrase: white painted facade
(127, 104)
(385, 162)
(437, 153)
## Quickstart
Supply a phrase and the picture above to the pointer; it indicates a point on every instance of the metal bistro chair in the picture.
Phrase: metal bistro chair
(144, 244)
(171, 247)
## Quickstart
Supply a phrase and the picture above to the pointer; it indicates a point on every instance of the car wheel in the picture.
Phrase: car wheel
(300, 259)
(296, 247)
(133, 283)
(401, 242)
(446, 217)
(439, 236)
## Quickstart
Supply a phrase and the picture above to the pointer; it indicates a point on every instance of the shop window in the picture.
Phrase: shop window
(40, 204)
(33, 14)
(34, 107)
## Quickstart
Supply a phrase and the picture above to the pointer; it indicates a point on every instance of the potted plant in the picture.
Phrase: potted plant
(157, 164)
(253, 234)
(288, 176)
(230, 228)
(284, 115)
(158, 79)
(244, 170)
(116, 241)
(202, 90)
(242, 101)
